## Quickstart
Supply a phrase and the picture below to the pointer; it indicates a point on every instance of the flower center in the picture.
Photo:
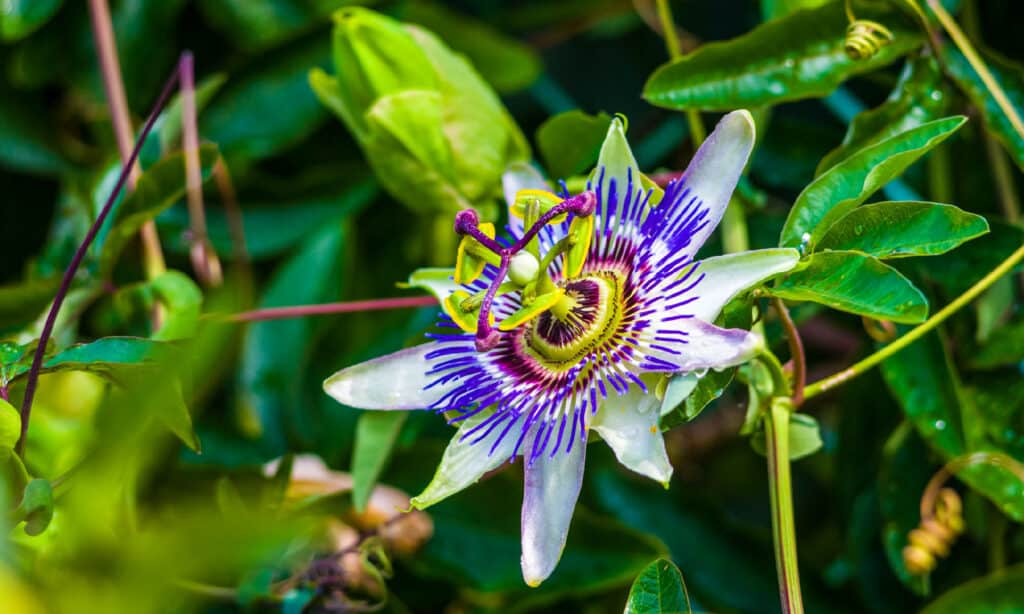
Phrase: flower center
(586, 318)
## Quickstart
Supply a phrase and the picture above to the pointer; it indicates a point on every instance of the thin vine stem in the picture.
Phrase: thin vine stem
(796, 351)
(978, 64)
(120, 119)
(300, 311)
(961, 301)
(32, 380)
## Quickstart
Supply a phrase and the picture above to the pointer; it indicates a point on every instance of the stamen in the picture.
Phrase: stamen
(467, 222)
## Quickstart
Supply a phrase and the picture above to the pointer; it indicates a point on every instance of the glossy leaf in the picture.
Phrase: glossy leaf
(929, 392)
(848, 184)
(477, 542)
(376, 434)
(158, 188)
(504, 62)
(902, 229)
(19, 18)
(804, 437)
(246, 118)
(659, 589)
(1001, 592)
(275, 353)
(1004, 348)
(919, 97)
(570, 142)
(1010, 77)
(797, 56)
(856, 283)
(902, 477)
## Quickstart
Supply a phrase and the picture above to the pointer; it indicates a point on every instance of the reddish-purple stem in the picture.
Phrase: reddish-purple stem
(51, 318)
(582, 204)
(485, 337)
(299, 311)
(4, 393)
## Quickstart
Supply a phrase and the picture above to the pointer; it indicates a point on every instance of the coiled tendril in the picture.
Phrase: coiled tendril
(864, 38)
(942, 519)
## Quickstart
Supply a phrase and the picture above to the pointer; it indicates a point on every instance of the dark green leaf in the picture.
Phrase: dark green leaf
(901, 229)
(271, 227)
(158, 188)
(268, 108)
(1004, 348)
(257, 24)
(957, 271)
(570, 142)
(804, 437)
(1009, 75)
(36, 507)
(28, 138)
(275, 353)
(659, 589)
(902, 478)
(19, 18)
(797, 56)
(22, 303)
(477, 543)
(106, 357)
(918, 98)
(376, 433)
(848, 184)
(1001, 592)
(928, 389)
(772, 9)
(856, 283)
(505, 63)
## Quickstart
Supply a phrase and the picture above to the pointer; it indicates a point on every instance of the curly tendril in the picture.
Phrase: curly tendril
(864, 38)
(942, 518)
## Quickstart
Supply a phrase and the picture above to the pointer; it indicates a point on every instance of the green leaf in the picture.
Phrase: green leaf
(1009, 75)
(504, 62)
(1004, 348)
(570, 142)
(267, 108)
(797, 56)
(902, 229)
(271, 226)
(919, 97)
(29, 139)
(10, 428)
(659, 589)
(275, 354)
(804, 437)
(376, 434)
(848, 184)
(158, 188)
(902, 478)
(772, 9)
(477, 544)
(19, 18)
(108, 356)
(856, 283)
(22, 303)
(928, 389)
(183, 301)
(1001, 592)
(255, 25)
(36, 507)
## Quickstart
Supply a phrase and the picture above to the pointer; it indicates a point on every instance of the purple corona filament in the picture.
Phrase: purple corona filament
(467, 223)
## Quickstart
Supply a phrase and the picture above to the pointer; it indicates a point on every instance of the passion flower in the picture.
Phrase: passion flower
(591, 314)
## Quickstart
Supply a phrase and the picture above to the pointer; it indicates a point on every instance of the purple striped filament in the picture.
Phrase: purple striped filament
(624, 315)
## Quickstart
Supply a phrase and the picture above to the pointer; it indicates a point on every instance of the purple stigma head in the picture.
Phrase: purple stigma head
(466, 220)
(487, 339)
(583, 204)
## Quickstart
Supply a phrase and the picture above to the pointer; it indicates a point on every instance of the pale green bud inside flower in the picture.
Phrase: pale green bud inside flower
(523, 268)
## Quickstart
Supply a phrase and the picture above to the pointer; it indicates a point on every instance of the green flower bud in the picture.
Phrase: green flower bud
(435, 133)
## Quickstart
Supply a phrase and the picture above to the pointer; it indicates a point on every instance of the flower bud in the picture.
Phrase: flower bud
(436, 135)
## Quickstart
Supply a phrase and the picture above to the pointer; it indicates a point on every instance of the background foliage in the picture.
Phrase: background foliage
(144, 520)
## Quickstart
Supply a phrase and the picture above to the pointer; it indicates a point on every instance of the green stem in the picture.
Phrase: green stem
(783, 525)
(668, 29)
(961, 301)
(940, 177)
(979, 66)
